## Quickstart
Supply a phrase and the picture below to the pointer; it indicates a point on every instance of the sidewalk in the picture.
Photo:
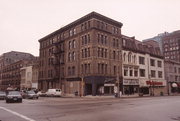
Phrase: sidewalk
(112, 96)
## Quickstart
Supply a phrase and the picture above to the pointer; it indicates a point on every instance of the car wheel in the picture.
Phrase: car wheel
(7, 101)
(20, 101)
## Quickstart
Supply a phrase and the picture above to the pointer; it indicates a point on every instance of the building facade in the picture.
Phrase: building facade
(171, 46)
(82, 56)
(143, 68)
(172, 75)
(10, 58)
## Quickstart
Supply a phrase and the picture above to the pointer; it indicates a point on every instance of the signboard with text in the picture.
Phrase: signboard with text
(130, 82)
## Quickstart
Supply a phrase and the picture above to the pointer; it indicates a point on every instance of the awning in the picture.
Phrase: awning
(174, 85)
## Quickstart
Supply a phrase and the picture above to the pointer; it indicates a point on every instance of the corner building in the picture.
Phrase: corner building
(82, 56)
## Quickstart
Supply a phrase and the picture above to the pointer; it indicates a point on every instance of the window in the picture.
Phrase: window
(160, 74)
(141, 60)
(114, 70)
(124, 57)
(102, 52)
(105, 68)
(152, 62)
(70, 32)
(134, 58)
(89, 68)
(70, 44)
(175, 70)
(98, 68)
(99, 51)
(142, 72)
(102, 68)
(159, 64)
(73, 70)
(69, 70)
(114, 54)
(74, 44)
(89, 52)
(73, 56)
(131, 72)
(125, 71)
(69, 57)
(135, 72)
(153, 73)
(129, 57)
(85, 68)
(105, 53)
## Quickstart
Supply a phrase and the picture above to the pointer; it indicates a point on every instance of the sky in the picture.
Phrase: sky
(24, 22)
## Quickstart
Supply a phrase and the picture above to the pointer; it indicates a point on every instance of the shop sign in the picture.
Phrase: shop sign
(154, 83)
(131, 82)
(110, 85)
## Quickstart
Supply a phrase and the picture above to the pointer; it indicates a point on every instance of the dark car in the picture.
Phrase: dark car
(2, 95)
(13, 96)
(31, 95)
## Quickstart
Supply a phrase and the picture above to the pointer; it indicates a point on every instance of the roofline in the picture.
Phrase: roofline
(86, 17)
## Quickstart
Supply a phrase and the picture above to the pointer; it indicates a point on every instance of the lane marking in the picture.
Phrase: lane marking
(17, 114)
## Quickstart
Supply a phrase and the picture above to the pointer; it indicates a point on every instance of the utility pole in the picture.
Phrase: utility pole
(118, 84)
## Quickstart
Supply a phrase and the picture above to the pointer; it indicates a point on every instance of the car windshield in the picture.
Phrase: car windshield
(1, 92)
(14, 93)
(31, 92)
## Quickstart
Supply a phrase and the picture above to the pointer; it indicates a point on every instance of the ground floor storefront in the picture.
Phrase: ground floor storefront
(173, 87)
(90, 85)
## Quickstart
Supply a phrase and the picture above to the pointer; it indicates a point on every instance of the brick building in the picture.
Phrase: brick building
(82, 56)
(8, 63)
(172, 75)
(171, 46)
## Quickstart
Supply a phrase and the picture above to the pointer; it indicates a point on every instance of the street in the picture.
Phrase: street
(165, 108)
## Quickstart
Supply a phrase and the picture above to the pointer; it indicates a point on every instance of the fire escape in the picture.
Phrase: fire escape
(58, 63)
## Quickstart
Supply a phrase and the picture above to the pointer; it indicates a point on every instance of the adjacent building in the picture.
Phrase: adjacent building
(143, 68)
(172, 75)
(82, 56)
(29, 75)
(10, 64)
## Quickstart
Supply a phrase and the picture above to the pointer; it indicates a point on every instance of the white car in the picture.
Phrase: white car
(54, 92)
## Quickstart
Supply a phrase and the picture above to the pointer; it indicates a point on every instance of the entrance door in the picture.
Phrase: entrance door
(88, 89)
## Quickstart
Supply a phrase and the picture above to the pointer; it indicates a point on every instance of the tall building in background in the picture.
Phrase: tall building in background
(83, 57)
(169, 44)
(170, 47)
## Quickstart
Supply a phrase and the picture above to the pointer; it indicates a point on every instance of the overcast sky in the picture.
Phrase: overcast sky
(24, 22)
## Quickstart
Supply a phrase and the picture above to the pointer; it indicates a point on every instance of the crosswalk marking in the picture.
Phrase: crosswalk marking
(17, 114)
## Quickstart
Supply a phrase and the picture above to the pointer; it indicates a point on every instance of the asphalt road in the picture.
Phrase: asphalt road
(166, 108)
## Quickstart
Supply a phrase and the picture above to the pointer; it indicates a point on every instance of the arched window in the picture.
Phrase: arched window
(73, 56)
(69, 57)
(129, 57)
(70, 44)
(124, 57)
(74, 44)
(134, 58)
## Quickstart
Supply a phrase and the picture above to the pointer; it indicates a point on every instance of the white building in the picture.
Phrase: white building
(143, 68)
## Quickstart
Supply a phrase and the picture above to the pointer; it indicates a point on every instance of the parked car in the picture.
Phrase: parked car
(41, 94)
(2, 95)
(54, 92)
(30, 95)
(13, 96)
